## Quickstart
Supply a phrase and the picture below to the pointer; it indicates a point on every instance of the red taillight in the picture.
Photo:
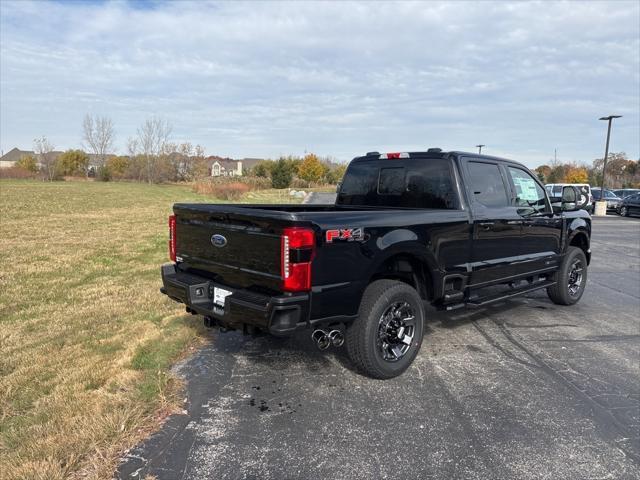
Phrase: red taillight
(298, 245)
(172, 237)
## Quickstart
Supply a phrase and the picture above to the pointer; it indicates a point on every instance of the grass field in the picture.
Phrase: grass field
(86, 338)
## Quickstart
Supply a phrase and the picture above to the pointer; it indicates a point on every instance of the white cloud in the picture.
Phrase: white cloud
(263, 79)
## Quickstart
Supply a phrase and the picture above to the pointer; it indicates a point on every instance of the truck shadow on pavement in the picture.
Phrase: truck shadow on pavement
(300, 352)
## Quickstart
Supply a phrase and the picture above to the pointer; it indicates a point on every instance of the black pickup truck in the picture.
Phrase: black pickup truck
(451, 229)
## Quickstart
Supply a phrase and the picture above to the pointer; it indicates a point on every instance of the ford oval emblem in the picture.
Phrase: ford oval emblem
(218, 240)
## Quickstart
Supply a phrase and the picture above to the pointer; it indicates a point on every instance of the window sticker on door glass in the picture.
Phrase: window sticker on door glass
(526, 189)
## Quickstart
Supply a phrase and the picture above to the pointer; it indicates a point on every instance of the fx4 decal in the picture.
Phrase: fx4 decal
(348, 234)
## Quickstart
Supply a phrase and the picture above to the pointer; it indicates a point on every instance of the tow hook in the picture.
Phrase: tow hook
(325, 338)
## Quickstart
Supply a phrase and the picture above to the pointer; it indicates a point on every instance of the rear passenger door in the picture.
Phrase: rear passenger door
(496, 223)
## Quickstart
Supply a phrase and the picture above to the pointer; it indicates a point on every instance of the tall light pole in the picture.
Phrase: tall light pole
(480, 148)
(601, 205)
(606, 151)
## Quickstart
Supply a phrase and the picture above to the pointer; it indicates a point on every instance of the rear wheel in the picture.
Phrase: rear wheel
(571, 279)
(386, 337)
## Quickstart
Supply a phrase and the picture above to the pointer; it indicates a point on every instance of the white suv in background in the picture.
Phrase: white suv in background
(555, 190)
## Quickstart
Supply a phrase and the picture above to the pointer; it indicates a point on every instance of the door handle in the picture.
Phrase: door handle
(486, 226)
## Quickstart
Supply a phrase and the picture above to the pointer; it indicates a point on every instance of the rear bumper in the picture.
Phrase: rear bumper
(280, 315)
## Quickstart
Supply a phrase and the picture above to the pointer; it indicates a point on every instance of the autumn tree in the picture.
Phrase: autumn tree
(543, 172)
(44, 150)
(99, 136)
(72, 162)
(118, 166)
(28, 163)
(576, 174)
(311, 169)
(621, 172)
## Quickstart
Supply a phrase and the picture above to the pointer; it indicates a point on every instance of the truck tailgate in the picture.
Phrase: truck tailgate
(241, 250)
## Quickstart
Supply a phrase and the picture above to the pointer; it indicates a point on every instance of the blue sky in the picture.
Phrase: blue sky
(266, 79)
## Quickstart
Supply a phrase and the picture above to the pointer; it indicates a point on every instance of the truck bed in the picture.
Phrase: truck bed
(251, 257)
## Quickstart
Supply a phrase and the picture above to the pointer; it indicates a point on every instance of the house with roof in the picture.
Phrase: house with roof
(228, 167)
(10, 158)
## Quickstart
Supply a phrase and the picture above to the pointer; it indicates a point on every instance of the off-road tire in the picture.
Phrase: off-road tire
(362, 335)
(559, 293)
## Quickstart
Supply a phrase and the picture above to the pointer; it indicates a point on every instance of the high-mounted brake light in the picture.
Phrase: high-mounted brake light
(394, 155)
(298, 248)
(172, 238)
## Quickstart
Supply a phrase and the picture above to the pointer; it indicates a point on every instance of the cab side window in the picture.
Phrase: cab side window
(487, 185)
(530, 197)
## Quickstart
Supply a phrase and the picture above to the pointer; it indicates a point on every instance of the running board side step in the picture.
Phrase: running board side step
(483, 301)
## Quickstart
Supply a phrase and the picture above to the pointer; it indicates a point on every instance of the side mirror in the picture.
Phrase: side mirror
(338, 187)
(570, 199)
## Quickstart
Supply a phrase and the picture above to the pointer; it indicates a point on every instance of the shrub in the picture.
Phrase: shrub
(27, 162)
(104, 174)
(298, 183)
(208, 184)
(16, 172)
(261, 170)
(281, 174)
(229, 191)
(118, 166)
(334, 175)
(72, 162)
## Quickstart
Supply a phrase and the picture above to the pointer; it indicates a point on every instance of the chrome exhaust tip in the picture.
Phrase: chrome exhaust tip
(321, 338)
(336, 337)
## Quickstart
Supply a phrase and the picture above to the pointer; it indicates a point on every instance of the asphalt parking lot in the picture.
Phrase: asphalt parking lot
(521, 390)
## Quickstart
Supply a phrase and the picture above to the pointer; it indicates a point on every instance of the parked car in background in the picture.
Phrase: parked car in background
(555, 190)
(625, 192)
(630, 205)
(613, 201)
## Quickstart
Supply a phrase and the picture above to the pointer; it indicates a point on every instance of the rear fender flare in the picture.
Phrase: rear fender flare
(412, 250)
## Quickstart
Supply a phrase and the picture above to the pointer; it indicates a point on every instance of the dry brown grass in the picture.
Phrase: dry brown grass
(16, 172)
(86, 338)
(226, 191)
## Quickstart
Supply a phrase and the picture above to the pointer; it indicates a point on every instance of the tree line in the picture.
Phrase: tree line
(308, 171)
(152, 157)
(621, 172)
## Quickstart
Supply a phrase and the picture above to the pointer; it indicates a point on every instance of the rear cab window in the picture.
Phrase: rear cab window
(486, 184)
(420, 182)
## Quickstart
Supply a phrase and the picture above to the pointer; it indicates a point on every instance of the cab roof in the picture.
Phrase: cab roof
(430, 153)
